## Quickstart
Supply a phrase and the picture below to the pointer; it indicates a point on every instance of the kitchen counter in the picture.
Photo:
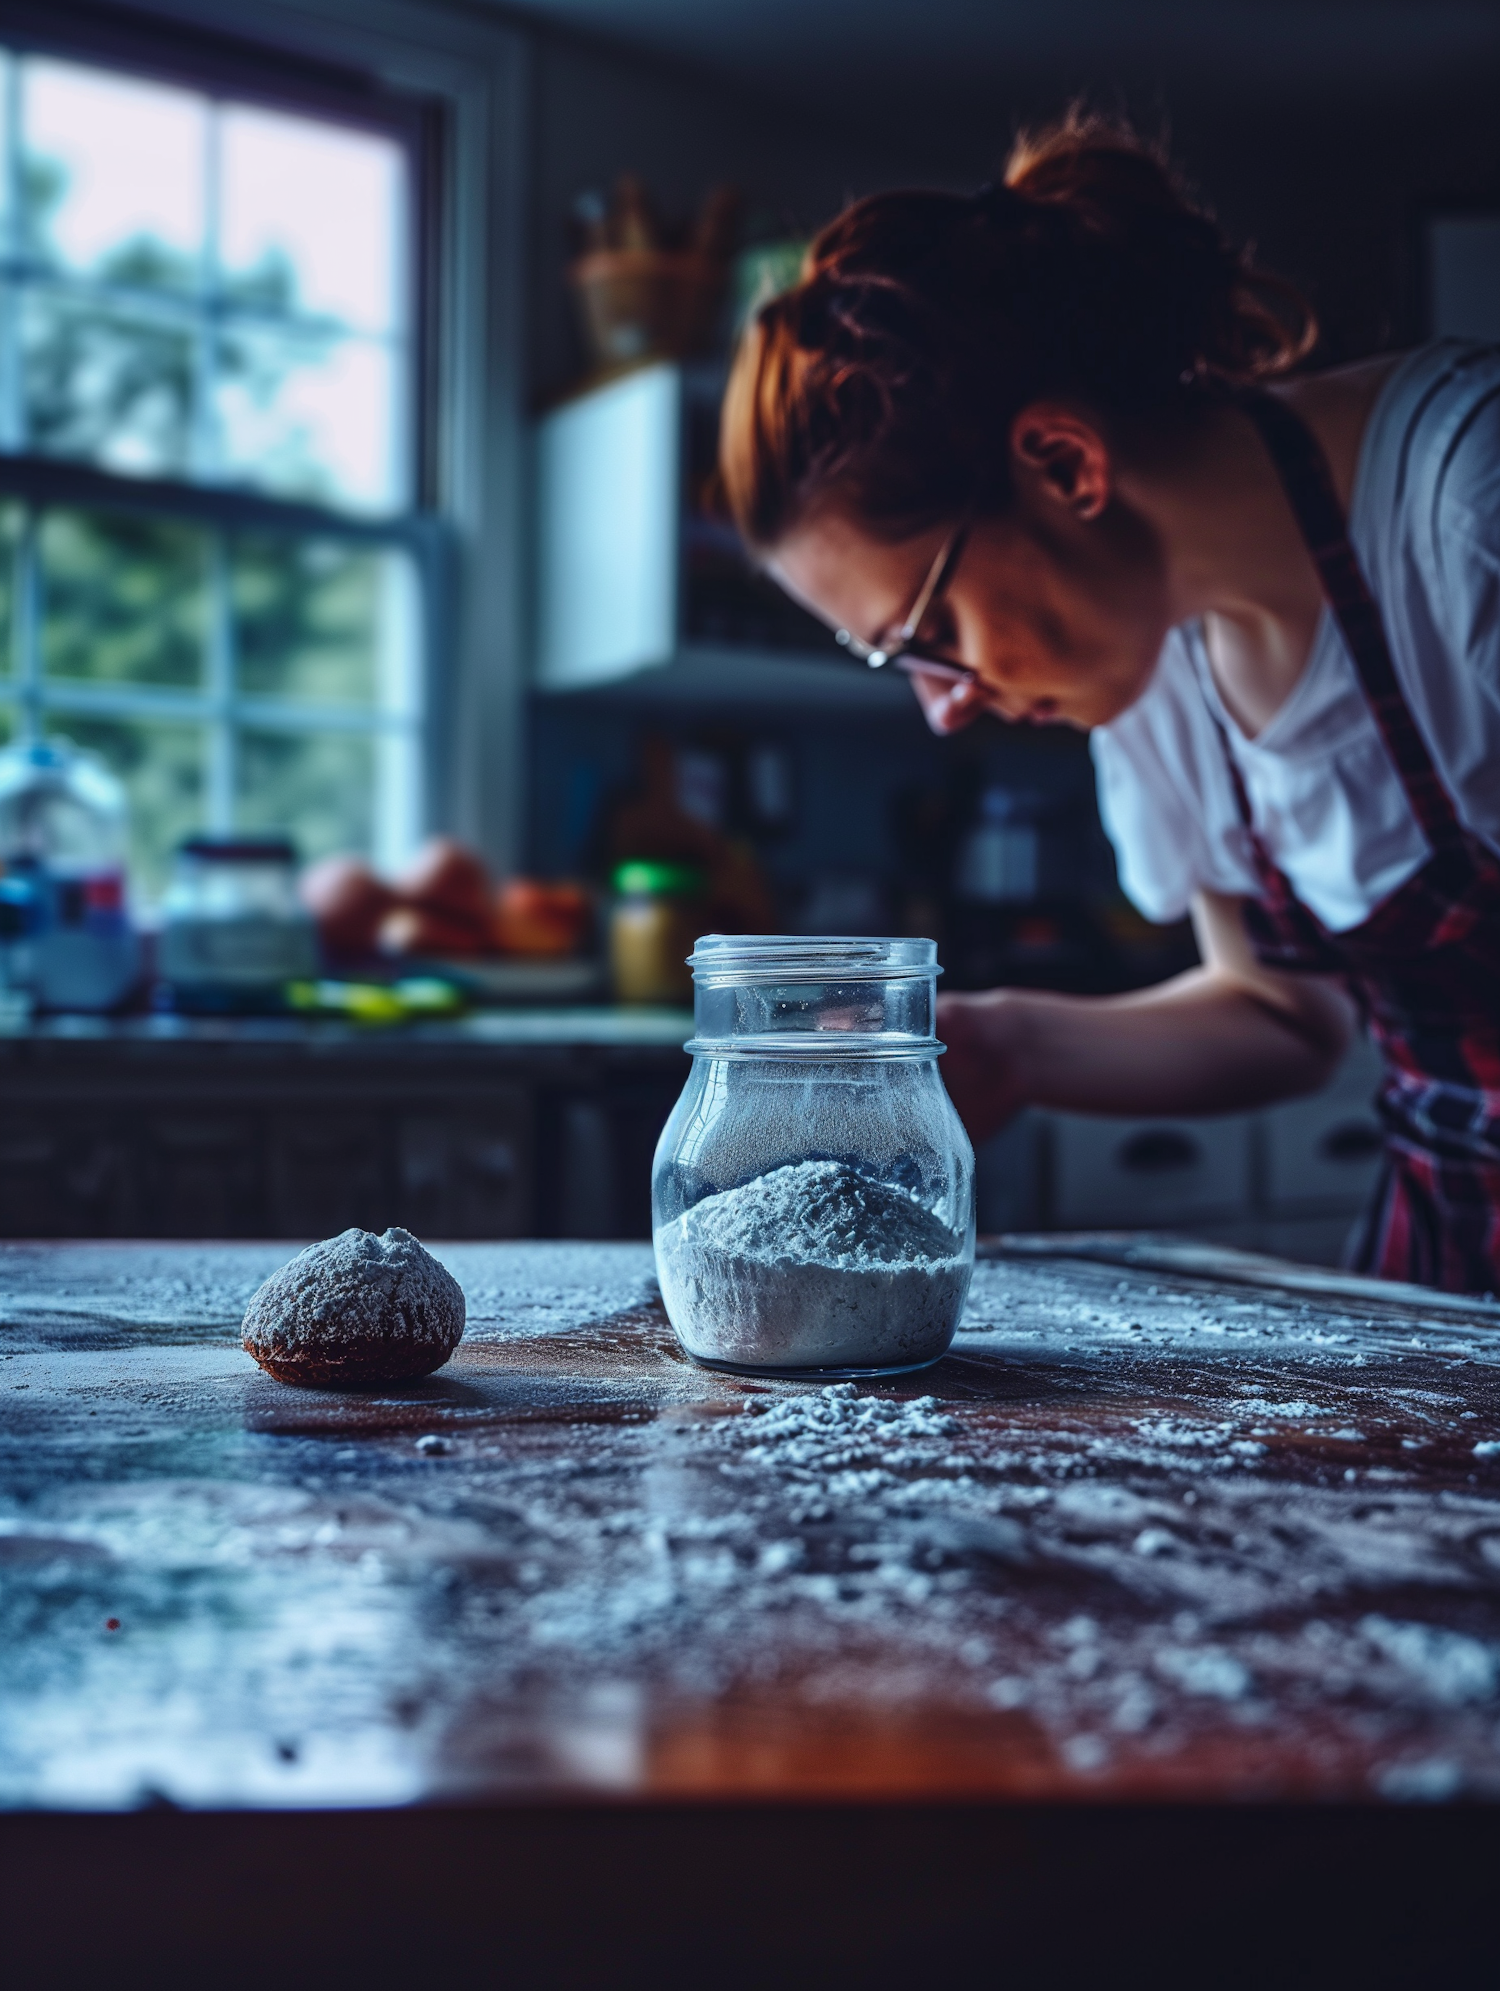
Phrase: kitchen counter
(1219, 1531)
(1167, 1524)
(168, 1036)
(505, 1123)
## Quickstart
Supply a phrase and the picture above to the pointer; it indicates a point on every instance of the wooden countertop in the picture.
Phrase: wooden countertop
(1183, 1525)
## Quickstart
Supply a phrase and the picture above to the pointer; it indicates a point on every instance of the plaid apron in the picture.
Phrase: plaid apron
(1424, 967)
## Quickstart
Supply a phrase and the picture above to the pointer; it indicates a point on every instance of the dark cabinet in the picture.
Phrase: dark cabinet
(51, 1162)
(301, 1135)
(200, 1171)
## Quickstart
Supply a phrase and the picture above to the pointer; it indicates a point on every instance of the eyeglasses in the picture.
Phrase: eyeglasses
(900, 652)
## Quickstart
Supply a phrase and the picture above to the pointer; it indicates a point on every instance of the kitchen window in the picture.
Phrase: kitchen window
(213, 571)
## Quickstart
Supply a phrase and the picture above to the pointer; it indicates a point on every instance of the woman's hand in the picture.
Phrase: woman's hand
(982, 1068)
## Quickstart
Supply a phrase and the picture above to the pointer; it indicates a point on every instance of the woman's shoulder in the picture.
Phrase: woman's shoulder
(1431, 456)
(1338, 405)
(1426, 524)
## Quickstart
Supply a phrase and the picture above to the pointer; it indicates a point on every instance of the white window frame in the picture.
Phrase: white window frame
(467, 539)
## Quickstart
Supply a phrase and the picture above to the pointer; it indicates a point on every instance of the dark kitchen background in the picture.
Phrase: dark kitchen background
(419, 546)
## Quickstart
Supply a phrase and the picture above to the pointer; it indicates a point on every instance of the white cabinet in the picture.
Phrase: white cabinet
(1148, 1174)
(1323, 1153)
(641, 586)
(609, 483)
(1463, 276)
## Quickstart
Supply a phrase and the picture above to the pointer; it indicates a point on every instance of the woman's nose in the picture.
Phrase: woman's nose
(947, 707)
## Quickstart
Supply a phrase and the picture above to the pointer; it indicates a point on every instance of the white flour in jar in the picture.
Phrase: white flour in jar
(812, 1266)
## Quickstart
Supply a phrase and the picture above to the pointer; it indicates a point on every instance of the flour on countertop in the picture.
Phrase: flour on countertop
(1116, 1512)
(813, 1265)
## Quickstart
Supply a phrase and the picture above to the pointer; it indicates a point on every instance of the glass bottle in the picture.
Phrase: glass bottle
(813, 1190)
(64, 822)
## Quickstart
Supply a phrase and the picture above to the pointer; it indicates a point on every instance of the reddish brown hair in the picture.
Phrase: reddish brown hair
(890, 374)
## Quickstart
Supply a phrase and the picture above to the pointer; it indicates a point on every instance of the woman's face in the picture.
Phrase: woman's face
(1059, 608)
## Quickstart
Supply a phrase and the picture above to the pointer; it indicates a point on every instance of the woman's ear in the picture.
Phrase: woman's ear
(1059, 458)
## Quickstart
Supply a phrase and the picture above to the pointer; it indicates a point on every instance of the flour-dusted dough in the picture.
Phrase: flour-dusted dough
(354, 1311)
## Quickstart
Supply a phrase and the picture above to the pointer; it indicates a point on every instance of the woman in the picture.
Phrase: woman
(1026, 444)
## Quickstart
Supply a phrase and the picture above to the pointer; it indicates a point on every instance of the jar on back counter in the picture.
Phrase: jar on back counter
(813, 1191)
(234, 931)
(651, 927)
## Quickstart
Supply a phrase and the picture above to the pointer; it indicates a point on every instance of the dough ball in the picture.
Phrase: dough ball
(355, 1311)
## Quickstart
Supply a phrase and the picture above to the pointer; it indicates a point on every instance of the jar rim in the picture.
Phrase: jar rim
(820, 1046)
(719, 958)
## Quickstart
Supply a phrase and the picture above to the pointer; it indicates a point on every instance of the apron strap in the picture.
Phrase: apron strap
(1308, 483)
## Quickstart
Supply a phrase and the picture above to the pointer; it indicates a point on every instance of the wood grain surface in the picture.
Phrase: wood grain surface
(1182, 1526)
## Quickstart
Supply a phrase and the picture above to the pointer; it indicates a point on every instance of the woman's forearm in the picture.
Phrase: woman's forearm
(1201, 1043)
(1197, 1044)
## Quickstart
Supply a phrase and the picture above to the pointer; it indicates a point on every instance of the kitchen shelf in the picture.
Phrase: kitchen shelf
(732, 678)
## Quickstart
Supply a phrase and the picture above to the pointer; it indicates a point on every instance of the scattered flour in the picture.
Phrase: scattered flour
(833, 1429)
(1444, 1666)
(813, 1266)
(1205, 1671)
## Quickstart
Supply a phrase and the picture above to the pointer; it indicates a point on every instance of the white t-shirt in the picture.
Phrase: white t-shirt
(1425, 522)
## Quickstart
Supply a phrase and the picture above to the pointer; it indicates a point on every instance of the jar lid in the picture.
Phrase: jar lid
(722, 958)
(239, 849)
(642, 877)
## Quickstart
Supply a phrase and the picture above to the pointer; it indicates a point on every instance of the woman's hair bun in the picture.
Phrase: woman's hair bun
(1229, 320)
(925, 321)
(1085, 160)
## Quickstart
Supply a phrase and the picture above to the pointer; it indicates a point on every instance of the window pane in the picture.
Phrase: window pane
(262, 342)
(124, 599)
(309, 416)
(311, 619)
(161, 766)
(317, 788)
(10, 539)
(112, 174)
(105, 384)
(311, 218)
(6, 238)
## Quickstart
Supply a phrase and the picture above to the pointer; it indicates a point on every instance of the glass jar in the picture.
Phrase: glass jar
(234, 931)
(650, 924)
(813, 1191)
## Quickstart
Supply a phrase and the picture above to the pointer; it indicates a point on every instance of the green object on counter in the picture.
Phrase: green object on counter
(645, 878)
(430, 995)
(377, 1002)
